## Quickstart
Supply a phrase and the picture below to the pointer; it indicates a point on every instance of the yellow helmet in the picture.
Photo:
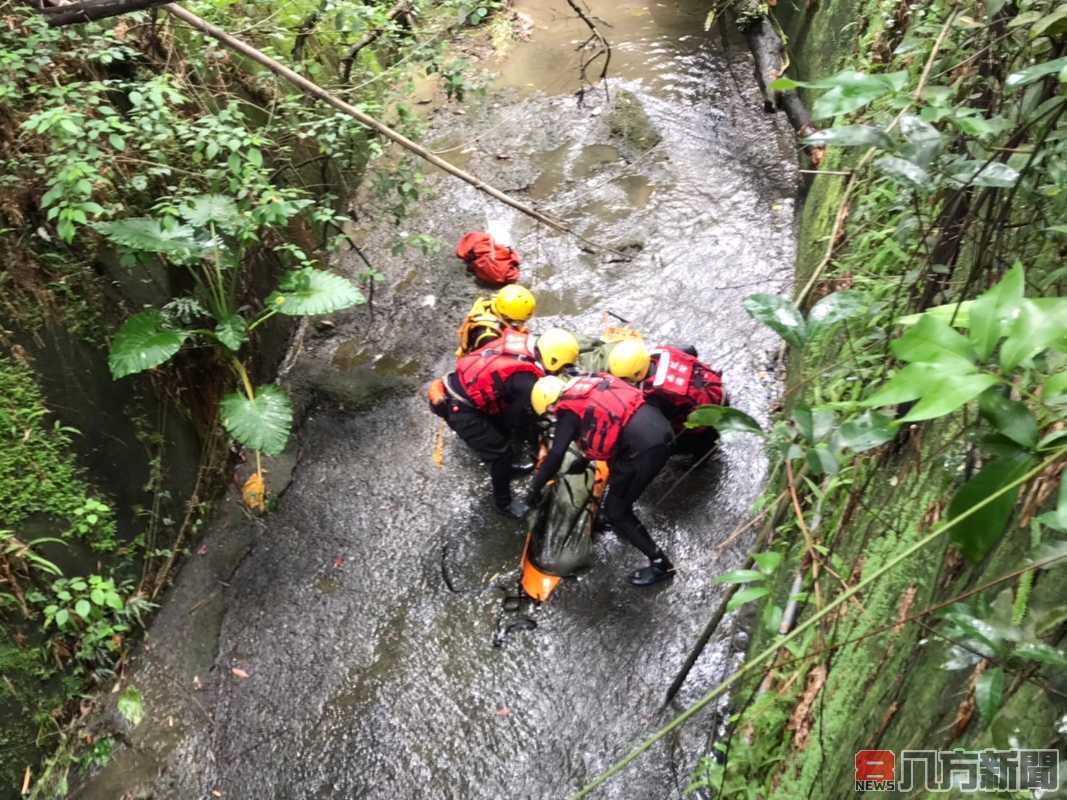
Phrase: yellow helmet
(629, 360)
(545, 392)
(514, 302)
(557, 349)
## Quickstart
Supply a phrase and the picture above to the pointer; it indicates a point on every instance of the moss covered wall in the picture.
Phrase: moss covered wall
(888, 691)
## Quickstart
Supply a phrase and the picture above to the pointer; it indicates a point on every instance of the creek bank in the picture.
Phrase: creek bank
(148, 446)
(343, 663)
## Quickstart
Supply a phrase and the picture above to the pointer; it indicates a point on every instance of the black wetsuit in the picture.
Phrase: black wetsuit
(640, 452)
(697, 442)
(490, 436)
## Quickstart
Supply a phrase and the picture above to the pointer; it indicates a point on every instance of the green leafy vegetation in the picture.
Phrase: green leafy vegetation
(131, 706)
(936, 404)
(91, 619)
(206, 235)
(165, 198)
(38, 475)
(61, 634)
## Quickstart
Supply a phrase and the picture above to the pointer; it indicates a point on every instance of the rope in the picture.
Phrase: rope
(439, 447)
(317, 92)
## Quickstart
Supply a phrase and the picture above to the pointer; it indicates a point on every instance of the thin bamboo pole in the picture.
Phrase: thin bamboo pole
(314, 90)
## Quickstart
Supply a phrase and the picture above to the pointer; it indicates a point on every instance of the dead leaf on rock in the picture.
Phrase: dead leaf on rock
(254, 492)
(197, 683)
(800, 722)
(503, 711)
(240, 673)
(965, 712)
(906, 601)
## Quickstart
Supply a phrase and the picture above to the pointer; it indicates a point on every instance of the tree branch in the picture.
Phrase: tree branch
(73, 13)
(398, 10)
(603, 49)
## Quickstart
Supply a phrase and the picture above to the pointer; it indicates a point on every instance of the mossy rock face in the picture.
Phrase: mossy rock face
(629, 121)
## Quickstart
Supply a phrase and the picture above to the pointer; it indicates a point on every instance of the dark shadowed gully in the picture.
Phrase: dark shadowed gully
(363, 610)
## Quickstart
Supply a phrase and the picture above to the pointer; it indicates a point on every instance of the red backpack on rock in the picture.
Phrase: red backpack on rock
(490, 262)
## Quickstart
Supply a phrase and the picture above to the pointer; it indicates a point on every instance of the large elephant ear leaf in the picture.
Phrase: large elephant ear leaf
(723, 418)
(211, 209)
(142, 342)
(314, 291)
(780, 315)
(147, 235)
(260, 423)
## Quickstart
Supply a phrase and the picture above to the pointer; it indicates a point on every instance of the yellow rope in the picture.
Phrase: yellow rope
(439, 448)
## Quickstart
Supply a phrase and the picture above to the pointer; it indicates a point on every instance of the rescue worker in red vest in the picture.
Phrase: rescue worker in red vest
(508, 309)
(487, 399)
(677, 382)
(610, 421)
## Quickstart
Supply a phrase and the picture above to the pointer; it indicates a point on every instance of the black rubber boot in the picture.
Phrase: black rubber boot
(658, 570)
(515, 509)
(601, 525)
(525, 468)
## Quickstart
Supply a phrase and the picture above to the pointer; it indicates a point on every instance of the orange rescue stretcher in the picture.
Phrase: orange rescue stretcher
(560, 540)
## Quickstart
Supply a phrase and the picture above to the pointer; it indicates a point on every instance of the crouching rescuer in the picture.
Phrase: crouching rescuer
(487, 320)
(610, 421)
(676, 384)
(486, 400)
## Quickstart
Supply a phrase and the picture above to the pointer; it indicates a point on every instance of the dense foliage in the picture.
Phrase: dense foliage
(165, 197)
(946, 373)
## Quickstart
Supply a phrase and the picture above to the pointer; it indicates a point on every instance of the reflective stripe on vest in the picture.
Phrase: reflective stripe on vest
(683, 382)
(517, 343)
(604, 404)
(483, 373)
(674, 370)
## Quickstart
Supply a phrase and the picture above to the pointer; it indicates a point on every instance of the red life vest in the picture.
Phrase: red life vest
(516, 343)
(604, 404)
(681, 382)
(483, 373)
(490, 262)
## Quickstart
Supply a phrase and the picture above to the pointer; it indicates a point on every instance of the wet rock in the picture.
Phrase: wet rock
(357, 377)
(629, 121)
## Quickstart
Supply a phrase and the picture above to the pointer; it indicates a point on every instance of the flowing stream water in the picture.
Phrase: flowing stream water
(364, 615)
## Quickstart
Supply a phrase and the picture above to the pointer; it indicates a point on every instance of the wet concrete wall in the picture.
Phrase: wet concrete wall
(890, 691)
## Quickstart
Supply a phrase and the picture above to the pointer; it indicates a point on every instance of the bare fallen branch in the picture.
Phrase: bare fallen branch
(603, 50)
(73, 13)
